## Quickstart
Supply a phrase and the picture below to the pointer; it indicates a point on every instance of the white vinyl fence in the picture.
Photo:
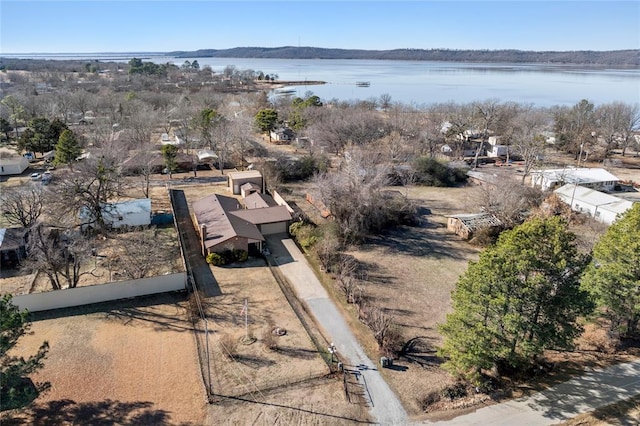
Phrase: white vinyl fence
(100, 292)
(281, 202)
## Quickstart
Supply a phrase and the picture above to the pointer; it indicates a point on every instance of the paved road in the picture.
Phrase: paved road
(597, 388)
(385, 407)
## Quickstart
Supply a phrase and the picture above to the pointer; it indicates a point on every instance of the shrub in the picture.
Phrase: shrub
(229, 345)
(239, 255)
(268, 339)
(455, 391)
(227, 257)
(304, 233)
(431, 172)
(216, 259)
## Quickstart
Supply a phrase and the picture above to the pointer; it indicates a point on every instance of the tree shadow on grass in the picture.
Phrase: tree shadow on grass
(298, 352)
(128, 311)
(419, 350)
(100, 413)
(320, 416)
(425, 240)
(254, 361)
(110, 307)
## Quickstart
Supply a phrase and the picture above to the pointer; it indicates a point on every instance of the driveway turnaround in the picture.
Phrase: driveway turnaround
(597, 388)
(384, 406)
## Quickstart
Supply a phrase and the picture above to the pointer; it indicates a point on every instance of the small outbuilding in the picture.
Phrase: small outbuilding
(249, 188)
(283, 134)
(466, 225)
(237, 179)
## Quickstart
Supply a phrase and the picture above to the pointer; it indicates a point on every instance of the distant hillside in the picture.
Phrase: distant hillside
(586, 57)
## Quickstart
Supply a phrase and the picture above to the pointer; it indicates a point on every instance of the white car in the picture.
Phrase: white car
(35, 176)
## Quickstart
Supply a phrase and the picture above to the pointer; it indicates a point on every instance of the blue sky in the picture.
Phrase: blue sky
(136, 26)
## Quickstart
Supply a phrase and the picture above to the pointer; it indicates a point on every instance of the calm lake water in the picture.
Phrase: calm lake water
(421, 83)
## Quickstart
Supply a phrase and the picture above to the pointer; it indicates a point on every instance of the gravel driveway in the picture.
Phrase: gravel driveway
(385, 407)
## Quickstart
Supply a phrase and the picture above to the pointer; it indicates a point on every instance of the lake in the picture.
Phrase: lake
(423, 82)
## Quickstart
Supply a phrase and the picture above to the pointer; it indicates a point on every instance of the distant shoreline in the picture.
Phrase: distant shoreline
(630, 57)
(626, 58)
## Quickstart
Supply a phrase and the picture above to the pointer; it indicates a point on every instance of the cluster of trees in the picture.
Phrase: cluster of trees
(616, 57)
(138, 66)
(587, 129)
(531, 290)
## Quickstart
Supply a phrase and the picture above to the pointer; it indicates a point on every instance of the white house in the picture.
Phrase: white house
(13, 165)
(497, 151)
(283, 134)
(595, 178)
(603, 207)
(122, 214)
(206, 156)
(165, 139)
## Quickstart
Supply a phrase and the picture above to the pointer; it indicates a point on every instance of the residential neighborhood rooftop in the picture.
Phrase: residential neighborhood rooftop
(578, 175)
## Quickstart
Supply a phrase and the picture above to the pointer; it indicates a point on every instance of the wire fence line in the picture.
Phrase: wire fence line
(318, 340)
(269, 385)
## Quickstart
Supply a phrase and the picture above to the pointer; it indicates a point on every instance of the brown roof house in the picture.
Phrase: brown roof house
(224, 223)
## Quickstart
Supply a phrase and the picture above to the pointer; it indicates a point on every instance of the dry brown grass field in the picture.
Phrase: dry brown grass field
(132, 362)
(411, 273)
(268, 360)
(261, 375)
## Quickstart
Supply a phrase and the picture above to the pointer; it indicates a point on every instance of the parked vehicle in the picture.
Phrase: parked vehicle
(35, 176)
(46, 177)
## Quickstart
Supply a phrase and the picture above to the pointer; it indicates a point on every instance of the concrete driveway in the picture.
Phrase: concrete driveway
(384, 406)
(584, 394)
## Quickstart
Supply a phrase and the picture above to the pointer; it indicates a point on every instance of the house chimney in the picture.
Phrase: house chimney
(203, 236)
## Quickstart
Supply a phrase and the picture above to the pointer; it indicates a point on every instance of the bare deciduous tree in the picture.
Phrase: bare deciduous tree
(509, 201)
(616, 123)
(382, 325)
(94, 182)
(62, 256)
(356, 198)
(141, 120)
(22, 207)
(140, 254)
(527, 139)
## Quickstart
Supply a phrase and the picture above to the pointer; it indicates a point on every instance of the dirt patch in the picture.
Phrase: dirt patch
(248, 360)
(133, 359)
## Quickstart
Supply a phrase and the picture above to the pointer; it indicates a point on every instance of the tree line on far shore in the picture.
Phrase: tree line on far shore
(587, 57)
